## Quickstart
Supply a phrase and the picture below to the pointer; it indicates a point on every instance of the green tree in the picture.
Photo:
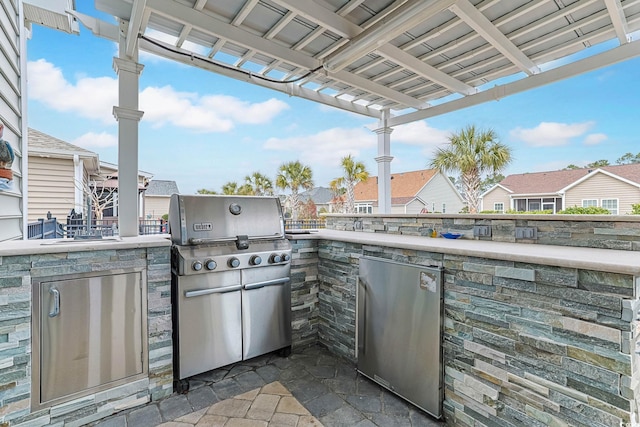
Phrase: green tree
(260, 185)
(294, 175)
(628, 158)
(473, 153)
(572, 167)
(598, 163)
(490, 181)
(205, 191)
(353, 173)
(230, 188)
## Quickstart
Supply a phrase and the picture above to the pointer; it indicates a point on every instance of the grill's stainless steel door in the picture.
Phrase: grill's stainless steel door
(399, 330)
(266, 310)
(90, 333)
(210, 322)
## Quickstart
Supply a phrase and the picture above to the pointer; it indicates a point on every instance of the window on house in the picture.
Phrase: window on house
(444, 208)
(534, 205)
(521, 205)
(611, 204)
(364, 208)
(499, 207)
(586, 203)
(548, 204)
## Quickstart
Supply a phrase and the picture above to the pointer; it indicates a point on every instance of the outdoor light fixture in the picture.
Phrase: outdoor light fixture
(400, 20)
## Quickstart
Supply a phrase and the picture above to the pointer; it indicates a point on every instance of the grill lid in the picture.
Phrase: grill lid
(199, 219)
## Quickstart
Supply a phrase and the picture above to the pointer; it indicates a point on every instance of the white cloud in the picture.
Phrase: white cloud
(92, 140)
(551, 134)
(419, 133)
(325, 148)
(94, 98)
(91, 98)
(595, 138)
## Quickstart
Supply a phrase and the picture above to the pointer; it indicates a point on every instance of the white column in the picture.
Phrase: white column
(128, 116)
(384, 164)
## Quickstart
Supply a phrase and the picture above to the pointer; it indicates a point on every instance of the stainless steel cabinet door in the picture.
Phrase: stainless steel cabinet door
(399, 330)
(210, 323)
(266, 310)
(90, 332)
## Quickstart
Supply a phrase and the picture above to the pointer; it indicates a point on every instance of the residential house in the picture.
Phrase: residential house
(422, 191)
(321, 197)
(59, 176)
(107, 182)
(615, 188)
(157, 197)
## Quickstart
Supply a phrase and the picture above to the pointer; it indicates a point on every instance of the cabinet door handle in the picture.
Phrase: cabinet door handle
(56, 302)
(362, 314)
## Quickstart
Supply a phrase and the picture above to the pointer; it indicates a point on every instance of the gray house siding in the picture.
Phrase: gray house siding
(12, 86)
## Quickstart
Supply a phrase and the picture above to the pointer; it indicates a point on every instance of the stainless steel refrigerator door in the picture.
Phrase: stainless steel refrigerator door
(399, 330)
(210, 323)
(90, 333)
(266, 310)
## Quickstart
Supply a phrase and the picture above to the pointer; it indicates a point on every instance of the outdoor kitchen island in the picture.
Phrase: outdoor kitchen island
(143, 263)
(534, 334)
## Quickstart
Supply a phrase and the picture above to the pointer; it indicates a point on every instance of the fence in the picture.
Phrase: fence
(45, 229)
(305, 224)
(79, 228)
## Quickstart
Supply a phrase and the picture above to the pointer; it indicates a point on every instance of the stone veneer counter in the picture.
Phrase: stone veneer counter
(608, 260)
(22, 262)
(533, 334)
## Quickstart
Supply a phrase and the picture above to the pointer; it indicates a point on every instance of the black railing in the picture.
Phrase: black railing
(304, 224)
(79, 228)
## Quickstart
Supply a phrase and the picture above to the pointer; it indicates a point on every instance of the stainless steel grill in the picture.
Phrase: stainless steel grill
(230, 281)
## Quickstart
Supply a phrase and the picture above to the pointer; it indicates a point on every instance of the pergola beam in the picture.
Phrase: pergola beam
(135, 26)
(476, 20)
(618, 20)
(604, 59)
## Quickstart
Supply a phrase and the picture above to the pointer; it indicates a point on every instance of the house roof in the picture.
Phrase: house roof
(404, 185)
(553, 182)
(46, 145)
(319, 195)
(158, 187)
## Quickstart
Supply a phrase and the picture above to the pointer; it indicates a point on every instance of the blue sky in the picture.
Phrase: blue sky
(202, 130)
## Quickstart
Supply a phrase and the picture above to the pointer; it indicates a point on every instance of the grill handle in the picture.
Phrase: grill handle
(201, 292)
(202, 241)
(274, 282)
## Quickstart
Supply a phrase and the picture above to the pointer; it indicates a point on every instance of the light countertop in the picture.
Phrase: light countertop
(48, 246)
(609, 260)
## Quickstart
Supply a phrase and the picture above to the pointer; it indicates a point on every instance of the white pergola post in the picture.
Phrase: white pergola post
(128, 117)
(384, 164)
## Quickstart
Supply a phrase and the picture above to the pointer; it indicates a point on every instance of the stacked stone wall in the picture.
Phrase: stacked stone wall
(523, 344)
(591, 231)
(16, 274)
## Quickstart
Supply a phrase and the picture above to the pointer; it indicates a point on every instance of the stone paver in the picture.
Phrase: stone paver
(308, 389)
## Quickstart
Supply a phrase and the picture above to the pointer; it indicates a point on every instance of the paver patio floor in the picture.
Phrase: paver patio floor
(311, 388)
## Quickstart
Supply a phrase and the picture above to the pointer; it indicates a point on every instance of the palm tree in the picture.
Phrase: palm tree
(260, 184)
(294, 175)
(472, 152)
(230, 188)
(354, 172)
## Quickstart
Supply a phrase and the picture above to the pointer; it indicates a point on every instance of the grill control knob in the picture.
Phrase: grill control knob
(275, 258)
(197, 265)
(255, 260)
(233, 262)
(286, 257)
(210, 264)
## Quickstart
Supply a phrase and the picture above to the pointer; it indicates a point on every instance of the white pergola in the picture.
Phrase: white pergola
(397, 61)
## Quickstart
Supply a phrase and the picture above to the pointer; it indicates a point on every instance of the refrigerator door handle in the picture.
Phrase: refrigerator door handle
(55, 311)
(362, 314)
(201, 292)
